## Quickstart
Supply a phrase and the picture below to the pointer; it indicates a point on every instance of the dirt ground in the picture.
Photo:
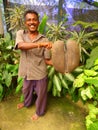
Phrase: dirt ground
(62, 114)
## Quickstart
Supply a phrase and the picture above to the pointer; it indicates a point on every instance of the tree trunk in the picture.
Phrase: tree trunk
(1, 23)
(60, 10)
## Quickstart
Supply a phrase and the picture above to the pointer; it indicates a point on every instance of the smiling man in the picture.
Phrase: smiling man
(33, 59)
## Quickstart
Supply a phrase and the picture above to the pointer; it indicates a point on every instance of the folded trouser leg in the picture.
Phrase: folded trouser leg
(41, 91)
(27, 90)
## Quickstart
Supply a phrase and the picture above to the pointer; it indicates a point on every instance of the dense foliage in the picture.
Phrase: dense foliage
(85, 87)
(81, 84)
(8, 66)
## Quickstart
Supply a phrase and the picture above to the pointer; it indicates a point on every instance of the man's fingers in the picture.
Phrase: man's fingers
(49, 46)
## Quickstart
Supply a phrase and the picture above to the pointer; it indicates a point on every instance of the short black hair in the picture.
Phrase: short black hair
(30, 11)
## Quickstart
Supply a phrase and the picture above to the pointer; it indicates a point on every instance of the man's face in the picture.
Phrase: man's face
(32, 22)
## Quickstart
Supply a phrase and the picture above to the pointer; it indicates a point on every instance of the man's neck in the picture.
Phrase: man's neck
(33, 34)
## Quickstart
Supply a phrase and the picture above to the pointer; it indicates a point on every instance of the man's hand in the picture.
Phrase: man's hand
(47, 45)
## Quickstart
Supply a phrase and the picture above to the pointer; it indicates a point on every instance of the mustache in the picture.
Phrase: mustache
(32, 24)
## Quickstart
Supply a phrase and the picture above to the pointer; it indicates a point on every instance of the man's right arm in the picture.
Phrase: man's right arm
(22, 45)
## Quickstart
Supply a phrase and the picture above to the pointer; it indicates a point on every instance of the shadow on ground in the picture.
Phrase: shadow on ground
(61, 114)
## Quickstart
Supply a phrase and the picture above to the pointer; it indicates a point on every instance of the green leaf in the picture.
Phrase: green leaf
(93, 126)
(64, 83)
(87, 93)
(7, 37)
(90, 72)
(96, 62)
(12, 69)
(92, 80)
(15, 70)
(8, 80)
(88, 123)
(20, 84)
(5, 74)
(7, 77)
(93, 57)
(1, 90)
(69, 76)
(83, 95)
(95, 68)
(43, 24)
(93, 109)
(22, 98)
(79, 81)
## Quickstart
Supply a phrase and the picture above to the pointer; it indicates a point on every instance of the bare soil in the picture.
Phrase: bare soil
(62, 114)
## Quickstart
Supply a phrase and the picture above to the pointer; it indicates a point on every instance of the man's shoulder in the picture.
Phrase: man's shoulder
(43, 37)
(21, 32)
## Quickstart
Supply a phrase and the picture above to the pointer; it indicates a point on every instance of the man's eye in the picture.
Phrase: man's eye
(31, 20)
(28, 20)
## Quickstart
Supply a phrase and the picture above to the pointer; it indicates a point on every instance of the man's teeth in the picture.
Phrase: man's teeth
(32, 26)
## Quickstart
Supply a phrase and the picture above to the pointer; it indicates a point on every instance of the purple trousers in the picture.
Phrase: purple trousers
(40, 88)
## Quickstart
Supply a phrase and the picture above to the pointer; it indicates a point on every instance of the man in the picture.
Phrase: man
(34, 57)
